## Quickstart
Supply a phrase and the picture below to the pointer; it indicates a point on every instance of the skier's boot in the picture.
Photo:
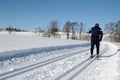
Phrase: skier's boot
(91, 56)
(97, 55)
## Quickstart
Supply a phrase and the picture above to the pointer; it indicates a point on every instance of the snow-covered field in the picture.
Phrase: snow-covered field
(26, 56)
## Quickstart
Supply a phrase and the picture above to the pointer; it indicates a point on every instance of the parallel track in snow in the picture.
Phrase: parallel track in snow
(67, 75)
(40, 64)
(78, 69)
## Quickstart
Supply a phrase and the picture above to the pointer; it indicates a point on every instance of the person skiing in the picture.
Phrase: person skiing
(96, 37)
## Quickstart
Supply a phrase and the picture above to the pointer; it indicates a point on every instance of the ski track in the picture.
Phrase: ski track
(40, 64)
(68, 75)
(78, 69)
(22, 53)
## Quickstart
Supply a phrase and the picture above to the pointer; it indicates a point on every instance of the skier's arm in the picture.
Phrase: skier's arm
(90, 31)
(101, 35)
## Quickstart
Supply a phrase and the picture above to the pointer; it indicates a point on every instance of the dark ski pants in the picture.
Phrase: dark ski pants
(95, 41)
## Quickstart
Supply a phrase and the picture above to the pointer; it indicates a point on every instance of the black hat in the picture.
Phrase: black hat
(97, 24)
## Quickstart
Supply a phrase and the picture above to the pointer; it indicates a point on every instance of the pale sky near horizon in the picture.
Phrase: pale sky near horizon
(30, 14)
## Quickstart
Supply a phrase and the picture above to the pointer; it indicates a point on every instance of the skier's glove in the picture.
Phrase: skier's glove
(100, 39)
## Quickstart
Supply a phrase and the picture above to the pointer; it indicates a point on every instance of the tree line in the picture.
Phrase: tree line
(113, 28)
(11, 29)
(72, 29)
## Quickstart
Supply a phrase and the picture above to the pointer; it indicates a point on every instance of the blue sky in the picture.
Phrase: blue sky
(29, 14)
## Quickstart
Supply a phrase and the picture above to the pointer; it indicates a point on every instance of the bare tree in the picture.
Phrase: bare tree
(110, 27)
(114, 28)
(67, 28)
(53, 27)
(73, 25)
(80, 30)
(117, 28)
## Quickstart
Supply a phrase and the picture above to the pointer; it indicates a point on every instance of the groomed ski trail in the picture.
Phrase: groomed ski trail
(78, 69)
(70, 74)
(19, 71)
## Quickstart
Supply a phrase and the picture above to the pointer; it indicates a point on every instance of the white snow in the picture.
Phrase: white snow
(27, 56)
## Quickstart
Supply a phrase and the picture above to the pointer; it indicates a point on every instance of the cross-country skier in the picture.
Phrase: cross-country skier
(96, 37)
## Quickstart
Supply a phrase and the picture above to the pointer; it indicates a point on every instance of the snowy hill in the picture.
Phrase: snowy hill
(26, 56)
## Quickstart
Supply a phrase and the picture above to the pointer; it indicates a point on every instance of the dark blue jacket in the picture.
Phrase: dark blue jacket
(96, 32)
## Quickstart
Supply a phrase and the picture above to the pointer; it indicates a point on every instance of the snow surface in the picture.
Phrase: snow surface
(27, 56)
